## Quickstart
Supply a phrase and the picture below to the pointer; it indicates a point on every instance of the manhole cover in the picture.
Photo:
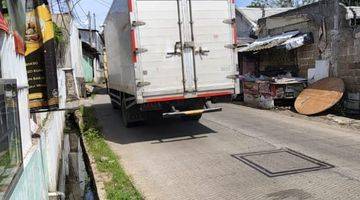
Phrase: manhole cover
(281, 162)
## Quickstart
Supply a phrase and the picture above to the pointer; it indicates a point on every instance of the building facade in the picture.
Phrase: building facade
(336, 50)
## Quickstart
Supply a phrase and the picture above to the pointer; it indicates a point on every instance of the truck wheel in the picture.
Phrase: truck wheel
(115, 105)
(125, 115)
(131, 116)
(191, 117)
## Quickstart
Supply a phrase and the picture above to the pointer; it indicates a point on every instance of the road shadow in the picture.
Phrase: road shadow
(158, 131)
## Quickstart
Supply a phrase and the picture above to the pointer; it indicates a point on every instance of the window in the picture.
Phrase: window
(10, 138)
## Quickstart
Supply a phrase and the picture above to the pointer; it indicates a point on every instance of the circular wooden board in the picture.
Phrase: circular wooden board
(320, 96)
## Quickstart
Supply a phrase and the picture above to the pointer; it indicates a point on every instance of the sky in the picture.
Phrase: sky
(101, 7)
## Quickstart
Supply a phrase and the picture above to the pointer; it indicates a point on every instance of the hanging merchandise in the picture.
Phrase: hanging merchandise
(40, 57)
(3, 24)
(12, 21)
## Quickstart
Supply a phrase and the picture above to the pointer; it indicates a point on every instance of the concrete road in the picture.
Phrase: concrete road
(187, 160)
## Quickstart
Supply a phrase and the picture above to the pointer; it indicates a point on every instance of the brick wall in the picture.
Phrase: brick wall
(349, 61)
(306, 57)
(276, 57)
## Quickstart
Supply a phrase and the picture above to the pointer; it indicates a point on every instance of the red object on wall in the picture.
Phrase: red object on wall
(3, 24)
(19, 44)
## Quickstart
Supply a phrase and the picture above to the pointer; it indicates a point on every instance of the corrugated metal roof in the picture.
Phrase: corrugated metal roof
(254, 14)
(269, 42)
(352, 11)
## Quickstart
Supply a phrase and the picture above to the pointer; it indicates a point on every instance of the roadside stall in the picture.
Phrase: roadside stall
(269, 69)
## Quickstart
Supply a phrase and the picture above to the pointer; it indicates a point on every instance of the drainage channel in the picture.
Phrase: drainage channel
(79, 180)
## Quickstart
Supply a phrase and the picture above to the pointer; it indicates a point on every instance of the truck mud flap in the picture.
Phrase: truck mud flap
(190, 112)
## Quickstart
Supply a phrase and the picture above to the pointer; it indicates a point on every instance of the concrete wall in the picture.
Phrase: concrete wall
(76, 50)
(244, 28)
(52, 131)
(349, 60)
(69, 52)
(13, 67)
(76, 55)
(41, 156)
(99, 74)
(33, 184)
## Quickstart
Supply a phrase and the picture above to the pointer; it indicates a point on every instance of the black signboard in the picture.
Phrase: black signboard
(40, 57)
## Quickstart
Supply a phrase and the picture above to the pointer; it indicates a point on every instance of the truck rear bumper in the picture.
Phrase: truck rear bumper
(183, 97)
(191, 112)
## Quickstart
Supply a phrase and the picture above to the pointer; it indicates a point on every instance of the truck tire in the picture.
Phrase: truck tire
(125, 115)
(115, 105)
(130, 116)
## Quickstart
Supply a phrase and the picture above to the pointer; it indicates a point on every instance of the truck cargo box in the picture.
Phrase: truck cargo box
(163, 50)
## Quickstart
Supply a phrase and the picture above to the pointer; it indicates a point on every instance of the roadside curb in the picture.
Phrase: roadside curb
(90, 161)
(344, 120)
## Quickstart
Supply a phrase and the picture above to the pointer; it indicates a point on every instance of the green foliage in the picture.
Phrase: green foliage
(120, 186)
(258, 4)
(5, 159)
(59, 36)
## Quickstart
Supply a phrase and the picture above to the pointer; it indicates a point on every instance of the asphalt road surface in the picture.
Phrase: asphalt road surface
(173, 159)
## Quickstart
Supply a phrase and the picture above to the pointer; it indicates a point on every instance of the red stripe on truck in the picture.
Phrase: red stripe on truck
(201, 95)
(130, 5)
(215, 94)
(162, 99)
(133, 46)
(234, 27)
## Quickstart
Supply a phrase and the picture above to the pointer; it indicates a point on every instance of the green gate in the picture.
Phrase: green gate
(87, 63)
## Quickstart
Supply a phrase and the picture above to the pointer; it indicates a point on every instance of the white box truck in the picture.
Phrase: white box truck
(170, 57)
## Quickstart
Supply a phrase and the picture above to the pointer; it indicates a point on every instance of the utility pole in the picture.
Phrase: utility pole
(95, 36)
(335, 38)
(70, 7)
(90, 32)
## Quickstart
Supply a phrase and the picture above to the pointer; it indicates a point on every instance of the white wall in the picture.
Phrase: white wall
(53, 133)
(76, 50)
(99, 74)
(13, 67)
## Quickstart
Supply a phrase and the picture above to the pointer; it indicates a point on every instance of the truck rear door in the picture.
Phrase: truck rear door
(214, 37)
(162, 63)
(184, 44)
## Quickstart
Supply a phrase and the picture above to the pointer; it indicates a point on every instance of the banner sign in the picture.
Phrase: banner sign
(40, 57)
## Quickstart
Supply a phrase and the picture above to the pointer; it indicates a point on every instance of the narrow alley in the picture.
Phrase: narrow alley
(194, 160)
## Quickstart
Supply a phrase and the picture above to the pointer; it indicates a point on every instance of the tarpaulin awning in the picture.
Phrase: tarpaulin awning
(289, 40)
